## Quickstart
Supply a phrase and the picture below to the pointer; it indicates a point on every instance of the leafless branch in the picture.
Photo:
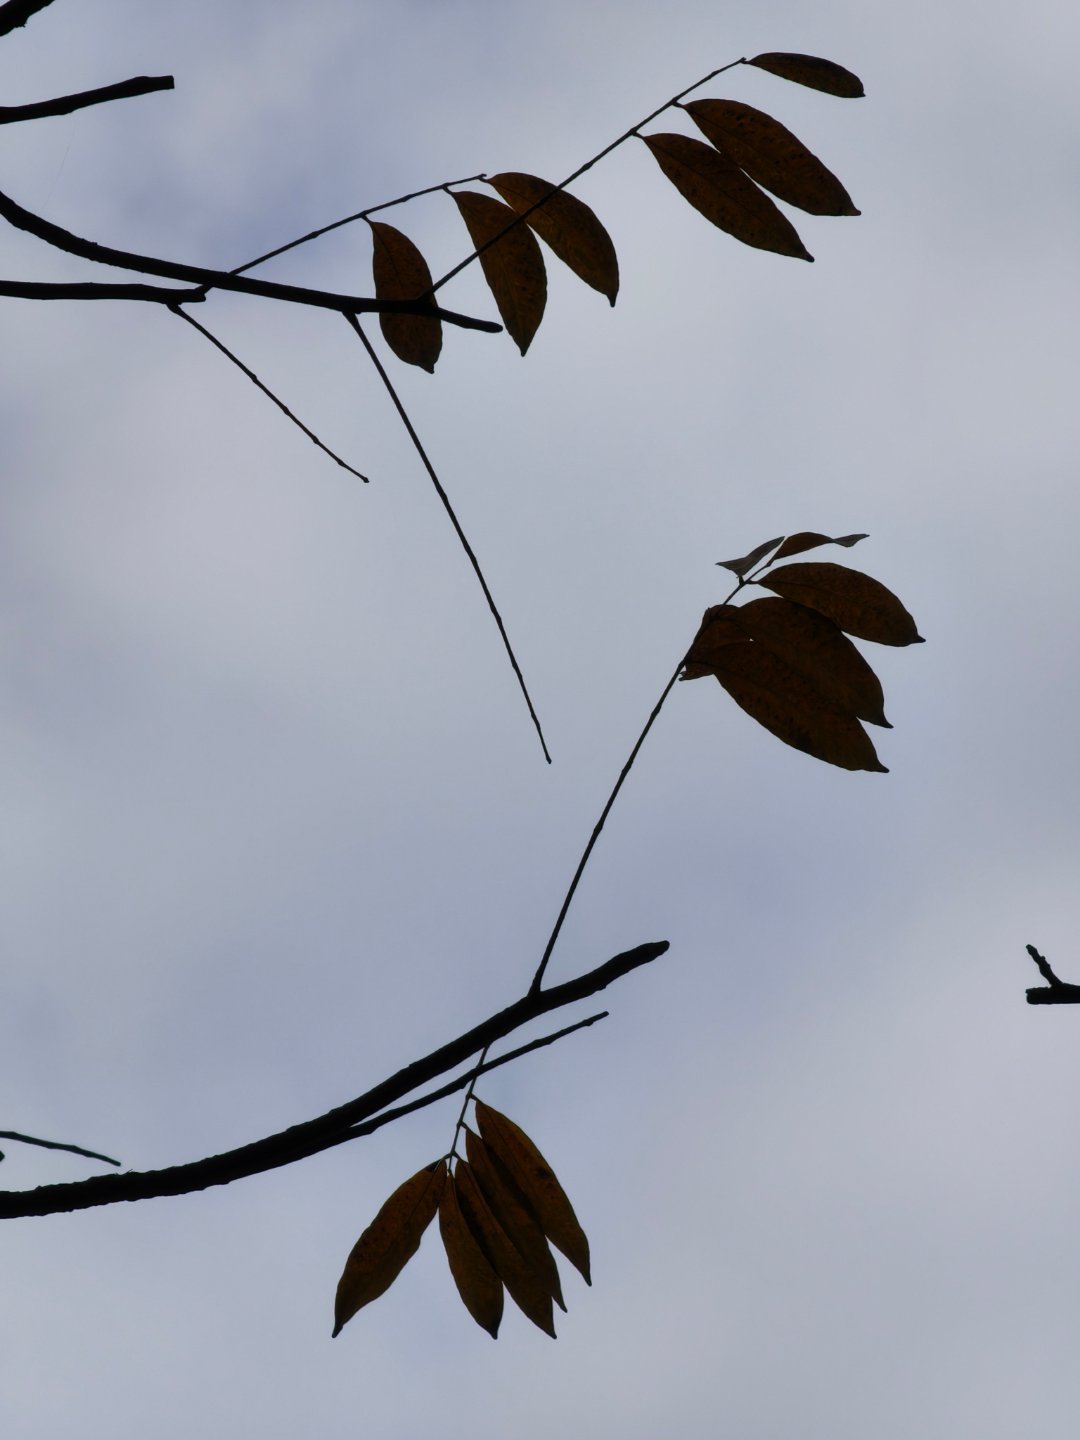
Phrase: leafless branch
(88, 290)
(65, 104)
(1055, 991)
(16, 13)
(56, 1145)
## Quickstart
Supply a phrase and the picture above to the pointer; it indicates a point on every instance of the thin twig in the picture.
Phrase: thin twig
(385, 378)
(91, 290)
(626, 135)
(309, 1138)
(56, 1145)
(1055, 991)
(268, 393)
(65, 104)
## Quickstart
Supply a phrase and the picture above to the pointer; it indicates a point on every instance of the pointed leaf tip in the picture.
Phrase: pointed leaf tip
(811, 70)
(565, 223)
(746, 563)
(513, 265)
(856, 602)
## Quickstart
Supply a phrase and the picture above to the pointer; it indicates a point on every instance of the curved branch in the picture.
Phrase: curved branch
(56, 1145)
(300, 1141)
(17, 12)
(65, 104)
(62, 239)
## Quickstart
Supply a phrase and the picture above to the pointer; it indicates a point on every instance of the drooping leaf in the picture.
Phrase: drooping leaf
(566, 224)
(401, 273)
(810, 540)
(480, 1288)
(526, 1289)
(510, 1209)
(513, 266)
(856, 602)
(719, 626)
(537, 1182)
(771, 155)
(717, 187)
(388, 1243)
(793, 708)
(745, 563)
(813, 71)
(818, 650)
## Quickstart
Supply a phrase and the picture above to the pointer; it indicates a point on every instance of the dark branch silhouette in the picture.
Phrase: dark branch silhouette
(333, 1128)
(65, 104)
(56, 1145)
(1055, 991)
(16, 13)
(90, 290)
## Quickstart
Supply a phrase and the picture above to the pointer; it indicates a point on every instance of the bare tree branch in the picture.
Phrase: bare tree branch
(65, 104)
(62, 239)
(1055, 991)
(300, 1141)
(56, 1145)
(88, 290)
(16, 13)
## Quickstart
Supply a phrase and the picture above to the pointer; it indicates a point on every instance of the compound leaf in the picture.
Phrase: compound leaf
(401, 273)
(510, 1209)
(717, 187)
(566, 224)
(527, 1290)
(771, 155)
(388, 1243)
(513, 265)
(811, 70)
(856, 602)
(480, 1288)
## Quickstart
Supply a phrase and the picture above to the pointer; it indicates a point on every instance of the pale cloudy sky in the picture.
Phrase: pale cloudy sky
(274, 820)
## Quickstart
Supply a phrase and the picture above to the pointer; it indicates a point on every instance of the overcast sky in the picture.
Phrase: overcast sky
(274, 820)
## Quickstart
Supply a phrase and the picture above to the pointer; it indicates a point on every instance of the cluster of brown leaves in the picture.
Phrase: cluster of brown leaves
(787, 660)
(748, 153)
(497, 1210)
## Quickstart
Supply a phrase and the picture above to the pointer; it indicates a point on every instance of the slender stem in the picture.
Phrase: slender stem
(56, 1145)
(65, 104)
(626, 135)
(385, 378)
(268, 392)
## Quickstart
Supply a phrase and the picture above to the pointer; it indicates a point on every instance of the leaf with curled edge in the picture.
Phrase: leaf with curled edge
(813, 71)
(856, 602)
(793, 708)
(401, 273)
(538, 1184)
(513, 265)
(818, 650)
(719, 627)
(389, 1242)
(746, 563)
(510, 1209)
(480, 1288)
(565, 223)
(716, 187)
(810, 540)
(526, 1289)
(771, 155)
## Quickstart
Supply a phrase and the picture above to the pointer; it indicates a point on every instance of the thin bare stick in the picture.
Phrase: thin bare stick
(385, 378)
(1055, 991)
(626, 135)
(17, 12)
(91, 290)
(65, 104)
(268, 393)
(71, 1149)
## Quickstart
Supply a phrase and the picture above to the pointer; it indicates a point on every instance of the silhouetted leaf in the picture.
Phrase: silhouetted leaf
(509, 1207)
(813, 71)
(719, 627)
(819, 651)
(746, 563)
(810, 540)
(401, 273)
(480, 1288)
(388, 1243)
(567, 225)
(717, 187)
(790, 706)
(513, 266)
(857, 603)
(771, 155)
(526, 1289)
(537, 1182)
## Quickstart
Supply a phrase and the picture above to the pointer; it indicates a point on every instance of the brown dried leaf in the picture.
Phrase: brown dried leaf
(717, 187)
(810, 540)
(509, 1207)
(388, 1243)
(513, 266)
(818, 650)
(813, 71)
(537, 1182)
(719, 627)
(480, 1288)
(526, 1288)
(857, 603)
(771, 155)
(747, 562)
(793, 708)
(567, 225)
(401, 273)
